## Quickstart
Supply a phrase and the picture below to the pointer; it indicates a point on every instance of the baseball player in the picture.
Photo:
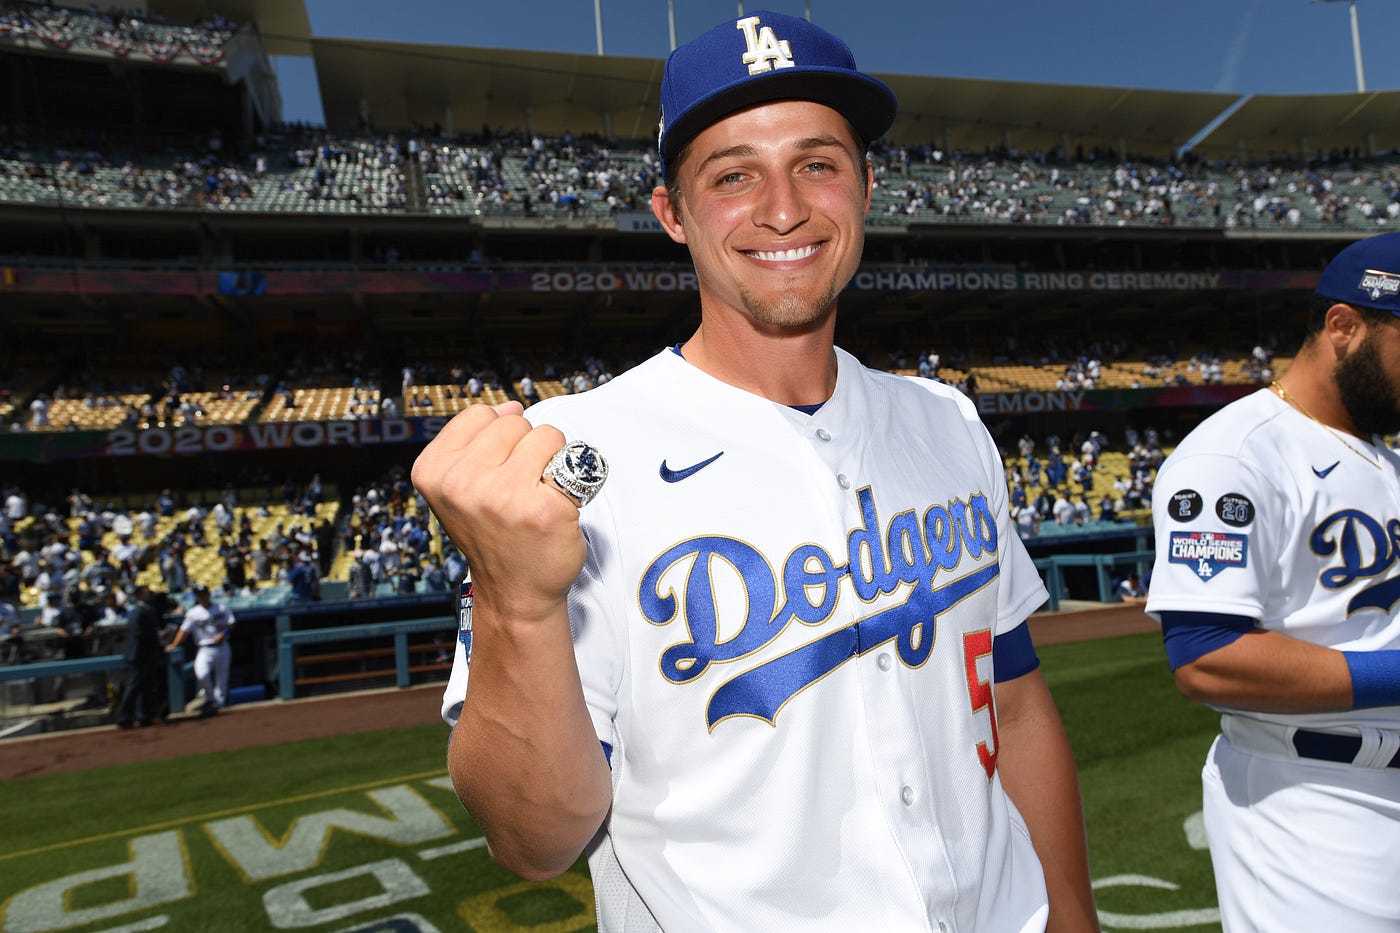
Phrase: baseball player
(1278, 530)
(209, 625)
(776, 675)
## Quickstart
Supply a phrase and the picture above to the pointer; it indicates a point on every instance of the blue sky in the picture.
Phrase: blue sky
(1237, 46)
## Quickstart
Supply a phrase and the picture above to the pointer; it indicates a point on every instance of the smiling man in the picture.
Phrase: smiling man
(774, 674)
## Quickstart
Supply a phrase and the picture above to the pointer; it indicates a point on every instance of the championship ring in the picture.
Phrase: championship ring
(578, 470)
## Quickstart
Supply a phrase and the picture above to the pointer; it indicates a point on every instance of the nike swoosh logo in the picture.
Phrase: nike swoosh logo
(1322, 474)
(675, 476)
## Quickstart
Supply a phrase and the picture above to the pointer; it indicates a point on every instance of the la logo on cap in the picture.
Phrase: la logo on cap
(1378, 284)
(766, 50)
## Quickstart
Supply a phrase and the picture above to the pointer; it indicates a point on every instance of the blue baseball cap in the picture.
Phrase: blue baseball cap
(1366, 274)
(764, 57)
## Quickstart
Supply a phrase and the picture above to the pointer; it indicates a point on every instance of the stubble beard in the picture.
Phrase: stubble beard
(791, 308)
(1366, 391)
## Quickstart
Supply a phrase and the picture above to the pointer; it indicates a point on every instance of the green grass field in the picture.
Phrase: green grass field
(361, 833)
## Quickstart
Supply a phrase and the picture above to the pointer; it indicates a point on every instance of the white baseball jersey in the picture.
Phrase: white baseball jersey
(1262, 512)
(204, 625)
(784, 630)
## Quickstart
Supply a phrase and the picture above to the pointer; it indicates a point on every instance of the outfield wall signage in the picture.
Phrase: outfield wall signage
(196, 440)
(639, 222)
(1081, 400)
(661, 278)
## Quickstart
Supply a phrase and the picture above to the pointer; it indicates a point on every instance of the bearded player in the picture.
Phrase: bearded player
(1278, 531)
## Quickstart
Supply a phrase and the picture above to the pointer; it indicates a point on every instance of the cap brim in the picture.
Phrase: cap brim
(1362, 302)
(866, 102)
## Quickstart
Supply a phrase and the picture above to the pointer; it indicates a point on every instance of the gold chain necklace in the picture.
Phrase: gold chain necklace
(1283, 396)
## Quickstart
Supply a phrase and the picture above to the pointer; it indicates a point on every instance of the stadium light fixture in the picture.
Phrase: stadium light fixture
(1355, 43)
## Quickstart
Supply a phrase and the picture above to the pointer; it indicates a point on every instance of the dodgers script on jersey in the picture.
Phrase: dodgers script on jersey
(1270, 516)
(784, 630)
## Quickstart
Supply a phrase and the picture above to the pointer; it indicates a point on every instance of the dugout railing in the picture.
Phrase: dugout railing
(1103, 567)
(41, 696)
(355, 655)
(32, 695)
(403, 652)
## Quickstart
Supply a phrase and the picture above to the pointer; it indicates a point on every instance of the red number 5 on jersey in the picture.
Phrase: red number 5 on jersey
(979, 645)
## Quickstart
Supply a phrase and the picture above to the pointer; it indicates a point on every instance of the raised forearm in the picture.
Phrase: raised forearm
(524, 758)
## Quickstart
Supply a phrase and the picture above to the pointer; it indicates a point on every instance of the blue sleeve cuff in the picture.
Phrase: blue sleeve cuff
(1013, 654)
(1189, 635)
(1375, 678)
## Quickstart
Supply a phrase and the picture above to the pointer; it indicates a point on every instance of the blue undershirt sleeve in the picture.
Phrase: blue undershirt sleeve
(1189, 635)
(1013, 654)
(1375, 678)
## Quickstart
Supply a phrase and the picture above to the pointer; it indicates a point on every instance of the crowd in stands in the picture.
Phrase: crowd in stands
(1100, 188)
(556, 376)
(364, 171)
(91, 555)
(1112, 486)
(1056, 364)
(285, 539)
(122, 32)
(512, 173)
(90, 178)
(223, 392)
(509, 171)
(394, 544)
(352, 385)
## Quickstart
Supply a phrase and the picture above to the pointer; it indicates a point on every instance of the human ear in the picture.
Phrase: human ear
(668, 213)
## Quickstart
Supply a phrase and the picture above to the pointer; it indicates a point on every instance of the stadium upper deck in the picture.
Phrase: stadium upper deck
(122, 33)
(582, 182)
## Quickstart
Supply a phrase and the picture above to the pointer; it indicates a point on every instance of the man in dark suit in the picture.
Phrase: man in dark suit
(140, 700)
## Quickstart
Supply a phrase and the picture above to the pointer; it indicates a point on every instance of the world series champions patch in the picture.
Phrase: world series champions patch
(1209, 552)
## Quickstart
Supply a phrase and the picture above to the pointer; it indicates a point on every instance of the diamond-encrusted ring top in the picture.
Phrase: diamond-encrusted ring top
(579, 471)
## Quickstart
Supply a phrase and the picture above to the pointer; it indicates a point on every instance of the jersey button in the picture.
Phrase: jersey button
(842, 481)
(885, 662)
(823, 434)
(906, 794)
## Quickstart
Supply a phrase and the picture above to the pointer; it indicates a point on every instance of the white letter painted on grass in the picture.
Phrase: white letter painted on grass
(157, 874)
(255, 853)
(1169, 920)
(288, 909)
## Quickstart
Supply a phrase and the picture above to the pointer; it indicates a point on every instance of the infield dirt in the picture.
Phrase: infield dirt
(276, 721)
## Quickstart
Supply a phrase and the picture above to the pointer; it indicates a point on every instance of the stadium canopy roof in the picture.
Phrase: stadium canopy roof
(973, 114)
(549, 92)
(399, 84)
(285, 27)
(461, 88)
(1310, 124)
